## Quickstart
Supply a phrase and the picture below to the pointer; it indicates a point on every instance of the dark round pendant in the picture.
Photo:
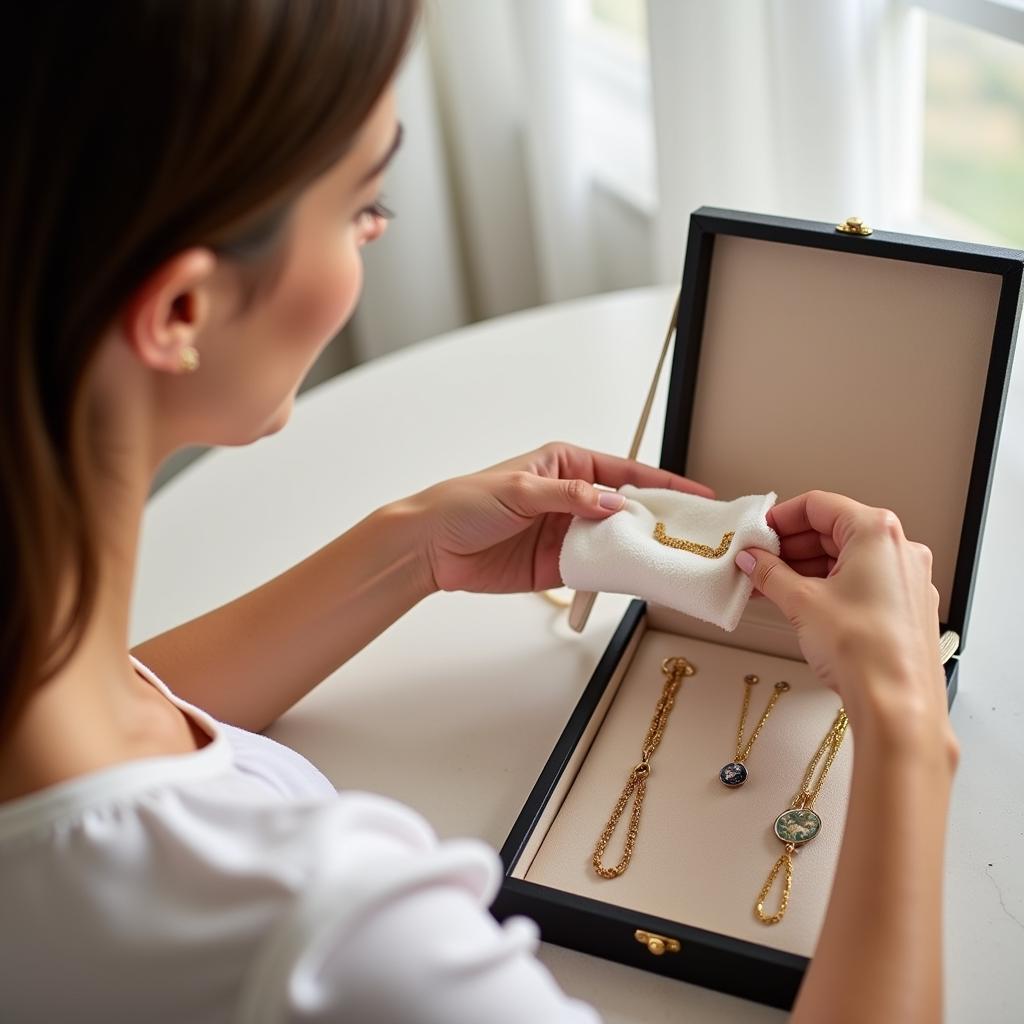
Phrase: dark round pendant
(733, 774)
(797, 825)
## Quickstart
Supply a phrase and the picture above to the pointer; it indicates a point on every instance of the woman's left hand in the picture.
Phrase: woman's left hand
(500, 530)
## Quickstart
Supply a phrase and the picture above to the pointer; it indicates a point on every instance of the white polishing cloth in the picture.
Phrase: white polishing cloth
(619, 554)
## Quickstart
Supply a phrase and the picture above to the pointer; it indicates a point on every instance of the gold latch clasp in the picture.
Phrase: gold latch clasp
(853, 226)
(656, 944)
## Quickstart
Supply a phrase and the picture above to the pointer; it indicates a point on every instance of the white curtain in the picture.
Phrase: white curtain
(804, 108)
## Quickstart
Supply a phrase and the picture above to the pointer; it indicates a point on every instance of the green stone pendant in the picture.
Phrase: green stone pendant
(797, 825)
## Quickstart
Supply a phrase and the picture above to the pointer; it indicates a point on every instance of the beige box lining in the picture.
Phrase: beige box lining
(843, 372)
(703, 851)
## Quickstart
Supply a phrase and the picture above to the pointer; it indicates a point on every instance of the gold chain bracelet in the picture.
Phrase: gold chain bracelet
(799, 824)
(676, 669)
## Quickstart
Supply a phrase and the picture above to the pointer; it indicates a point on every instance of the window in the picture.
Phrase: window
(973, 173)
(611, 82)
(623, 21)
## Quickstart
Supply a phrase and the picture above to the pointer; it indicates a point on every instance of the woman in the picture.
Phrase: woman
(186, 187)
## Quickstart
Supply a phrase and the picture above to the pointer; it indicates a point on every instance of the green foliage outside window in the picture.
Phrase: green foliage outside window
(974, 128)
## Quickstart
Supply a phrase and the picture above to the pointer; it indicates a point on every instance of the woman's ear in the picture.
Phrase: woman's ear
(168, 311)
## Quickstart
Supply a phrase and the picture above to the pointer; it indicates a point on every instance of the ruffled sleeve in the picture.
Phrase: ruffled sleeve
(392, 927)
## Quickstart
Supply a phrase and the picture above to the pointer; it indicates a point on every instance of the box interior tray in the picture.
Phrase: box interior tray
(703, 850)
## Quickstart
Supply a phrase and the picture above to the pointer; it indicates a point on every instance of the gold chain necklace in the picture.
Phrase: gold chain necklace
(676, 669)
(695, 547)
(735, 772)
(799, 824)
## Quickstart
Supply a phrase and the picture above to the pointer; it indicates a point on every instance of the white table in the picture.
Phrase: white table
(484, 684)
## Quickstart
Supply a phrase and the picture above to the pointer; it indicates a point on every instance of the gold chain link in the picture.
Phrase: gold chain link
(676, 669)
(785, 861)
(742, 753)
(693, 546)
(803, 800)
(831, 743)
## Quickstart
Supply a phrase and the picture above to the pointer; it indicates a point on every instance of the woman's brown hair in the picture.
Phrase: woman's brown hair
(135, 129)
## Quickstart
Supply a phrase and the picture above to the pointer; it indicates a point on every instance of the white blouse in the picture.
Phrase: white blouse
(234, 883)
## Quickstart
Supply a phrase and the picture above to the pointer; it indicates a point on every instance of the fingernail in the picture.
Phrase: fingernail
(746, 561)
(609, 499)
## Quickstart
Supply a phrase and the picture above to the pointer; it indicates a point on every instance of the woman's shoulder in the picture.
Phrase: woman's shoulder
(241, 805)
(204, 879)
(220, 816)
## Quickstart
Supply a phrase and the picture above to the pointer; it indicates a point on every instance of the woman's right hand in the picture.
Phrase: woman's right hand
(860, 597)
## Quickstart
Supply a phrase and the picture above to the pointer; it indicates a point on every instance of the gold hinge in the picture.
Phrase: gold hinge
(948, 643)
(655, 943)
(853, 226)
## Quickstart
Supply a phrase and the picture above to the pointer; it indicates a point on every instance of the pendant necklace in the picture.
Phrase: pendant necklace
(799, 824)
(735, 772)
(676, 669)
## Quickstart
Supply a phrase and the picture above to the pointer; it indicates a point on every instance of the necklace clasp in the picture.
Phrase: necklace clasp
(677, 666)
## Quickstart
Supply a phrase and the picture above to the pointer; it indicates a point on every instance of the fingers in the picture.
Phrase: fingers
(821, 566)
(772, 577)
(923, 552)
(809, 544)
(530, 495)
(813, 510)
(614, 471)
(834, 517)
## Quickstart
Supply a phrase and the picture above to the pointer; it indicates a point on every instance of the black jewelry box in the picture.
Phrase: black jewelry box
(807, 355)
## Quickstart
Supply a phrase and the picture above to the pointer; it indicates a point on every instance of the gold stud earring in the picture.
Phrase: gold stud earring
(189, 359)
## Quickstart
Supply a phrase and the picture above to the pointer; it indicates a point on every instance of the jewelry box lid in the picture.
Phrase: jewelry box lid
(875, 365)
